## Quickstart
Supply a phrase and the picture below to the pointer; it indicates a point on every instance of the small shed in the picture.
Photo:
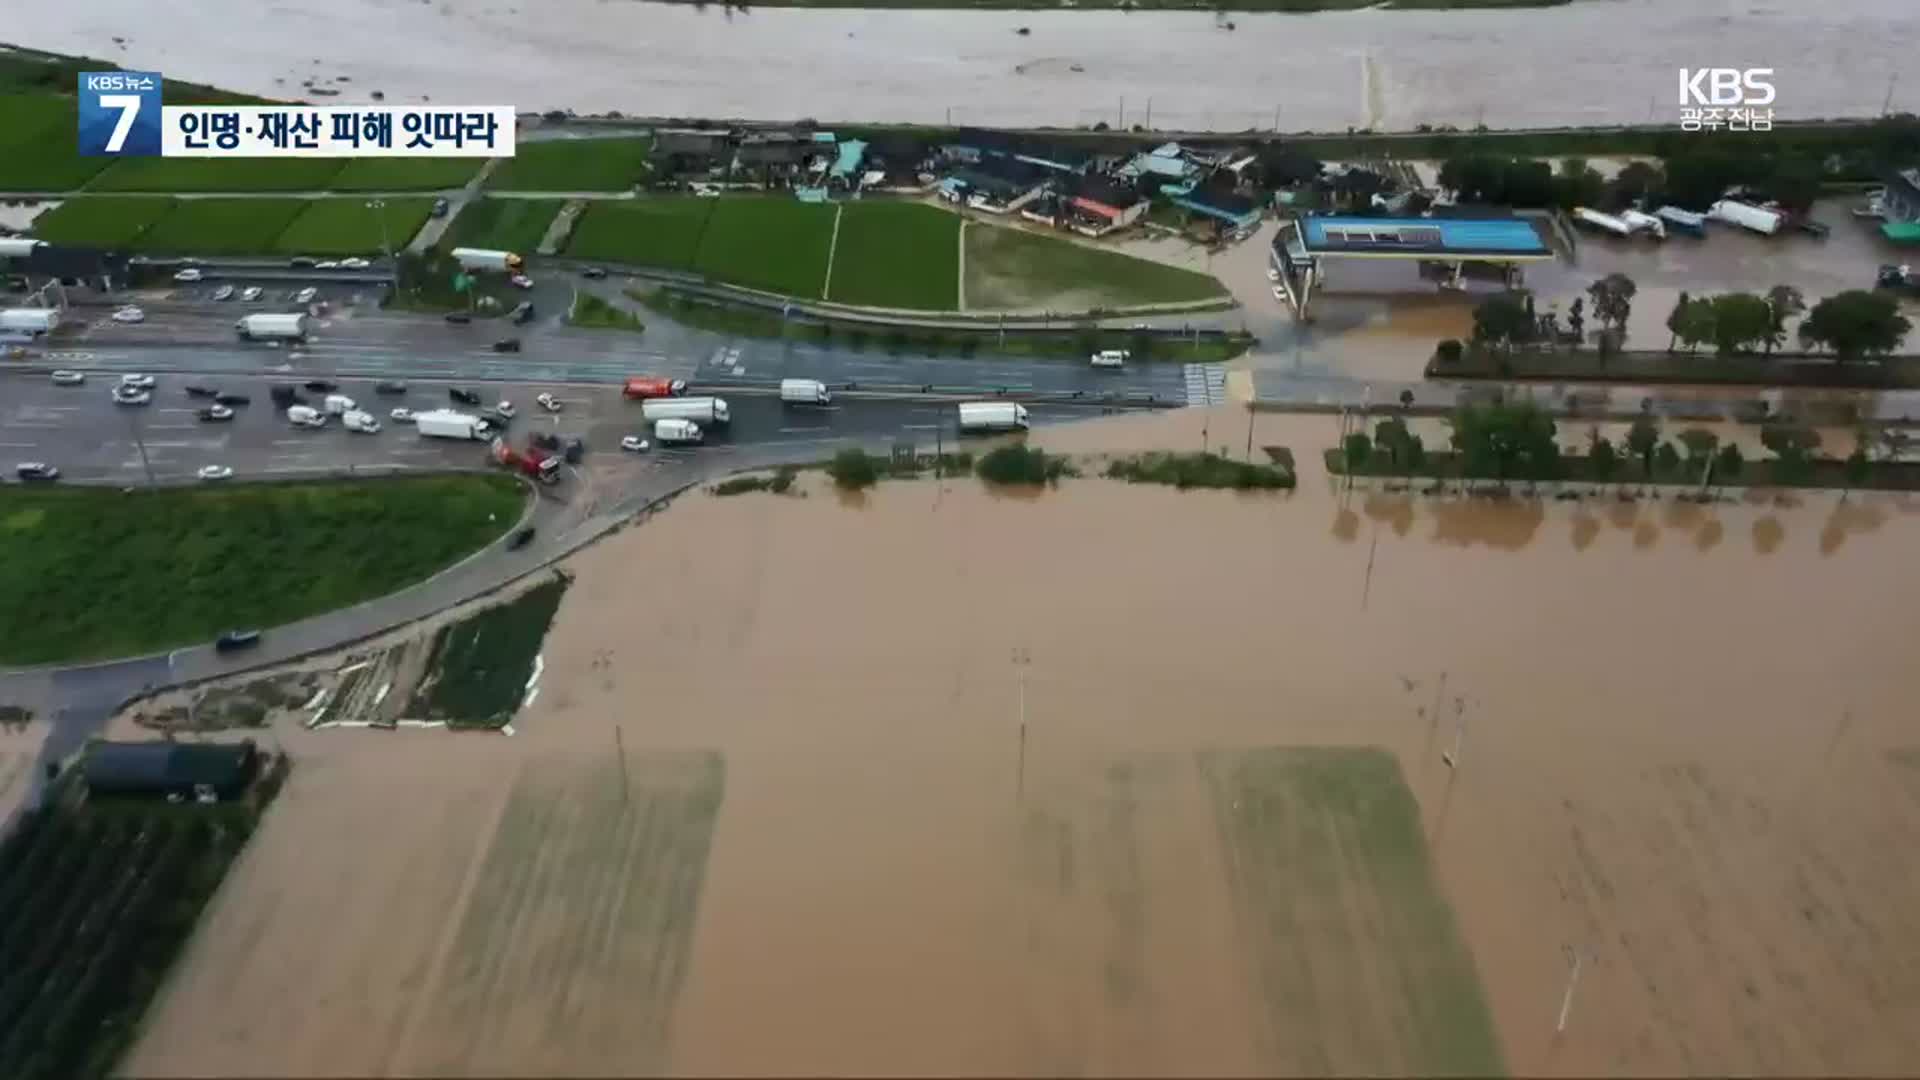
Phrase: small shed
(163, 769)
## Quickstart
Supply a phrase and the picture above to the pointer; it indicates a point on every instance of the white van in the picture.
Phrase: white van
(339, 404)
(363, 422)
(804, 392)
(1109, 358)
(673, 432)
(306, 416)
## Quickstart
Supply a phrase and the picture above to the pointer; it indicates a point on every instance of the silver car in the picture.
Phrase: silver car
(69, 378)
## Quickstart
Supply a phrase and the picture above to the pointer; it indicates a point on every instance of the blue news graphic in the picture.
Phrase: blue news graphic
(120, 114)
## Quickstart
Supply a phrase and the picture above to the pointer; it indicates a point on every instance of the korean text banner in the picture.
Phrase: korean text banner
(337, 131)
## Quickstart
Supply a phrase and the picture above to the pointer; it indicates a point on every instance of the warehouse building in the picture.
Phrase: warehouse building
(169, 770)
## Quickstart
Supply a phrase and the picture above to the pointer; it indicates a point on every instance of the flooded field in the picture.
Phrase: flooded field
(1388, 70)
(1110, 780)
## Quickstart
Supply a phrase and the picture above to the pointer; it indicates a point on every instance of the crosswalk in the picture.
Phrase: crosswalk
(1206, 384)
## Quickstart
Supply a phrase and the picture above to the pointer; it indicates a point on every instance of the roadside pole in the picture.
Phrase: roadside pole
(379, 208)
(1022, 659)
(133, 425)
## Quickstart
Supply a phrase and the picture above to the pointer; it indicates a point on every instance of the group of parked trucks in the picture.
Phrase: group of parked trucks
(1760, 219)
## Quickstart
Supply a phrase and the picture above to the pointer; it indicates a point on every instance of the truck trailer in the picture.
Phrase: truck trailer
(266, 327)
(18, 247)
(1685, 221)
(642, 387)
(982, 416)
(1747, 216)
(1643, 222)
(30, 321)
(533, 461)
(804, 392)
(486, 259)
(1594, 219)
(700, 410)
(447, 424)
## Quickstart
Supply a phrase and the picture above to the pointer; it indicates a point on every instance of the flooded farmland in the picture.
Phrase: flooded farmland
(1588, 63)
(1111, 780)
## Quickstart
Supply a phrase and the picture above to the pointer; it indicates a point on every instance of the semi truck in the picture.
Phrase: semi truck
(981, 416)
(30, 321)
(1747, 216)
(676, 432)
(642, 387)
(532, 461)
(804, 392)
(447, 424)
(700, 410)
(1644, 223)
(1685, 221)
(265, 327)
(1594, 219)
(486, 259)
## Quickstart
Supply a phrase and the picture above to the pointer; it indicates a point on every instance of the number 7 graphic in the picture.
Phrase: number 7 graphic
(129, 106)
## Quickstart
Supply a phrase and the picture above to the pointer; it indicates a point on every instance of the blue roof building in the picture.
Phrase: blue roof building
(1508, 239)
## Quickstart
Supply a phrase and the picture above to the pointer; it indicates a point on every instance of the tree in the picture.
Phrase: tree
(1613, 299)
(1357, 449)
(1603, 458)
(1528, 183)
(1416, 453)
(1635, 183)
(1503, 440)
(1666, 458)
(853, 469)
(1795, 182)
(1854, 324)
(1474, 178)
(1793, 446)
(1856, 468)
(1643, 438)
(1391, 435)
(1578, 184)
(1700, 444)
(1728, 463)
(1783, 303)
(1501, 320)
(1698, 323)
(1677, 319)
(1740, 322)
(1577, 319)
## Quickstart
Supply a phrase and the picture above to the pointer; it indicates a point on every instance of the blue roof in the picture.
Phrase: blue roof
(851, 152)
(1419, 236)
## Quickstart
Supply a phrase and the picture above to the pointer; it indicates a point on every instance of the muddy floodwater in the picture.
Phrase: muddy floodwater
(1592, 62)
(940, 780)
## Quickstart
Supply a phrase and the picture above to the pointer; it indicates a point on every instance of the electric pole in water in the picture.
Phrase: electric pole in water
(1577, 959)
(1021, 660)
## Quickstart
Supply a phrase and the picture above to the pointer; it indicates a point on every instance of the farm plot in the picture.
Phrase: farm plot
(219, 174)
(1353, 950)
(221, 226)
(650, 232)
(404, 174)
(614, 164)
(351, 227)
(503, 224)
(38, 151)
(897, 255)
(98, 900)
(113, 223)
(480, 666)
(1010, 268)
(777, 245)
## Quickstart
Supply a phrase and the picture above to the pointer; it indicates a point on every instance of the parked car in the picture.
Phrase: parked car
(250, 293)
(507, 345)
(402, 416)
(215, 472)
(231, 399)
(64, 377)
(521, 539)
(463, 396)
(214, 413)
(390, 386)
(129, 314)
(224, 292)
(197, 390)
(137, 381)
(234, 640)
(594, 272)
(189, 274)
(36, 472)
(322, 386)
(355, 263)
(306, 295)
(459, 318)
(548, 402)
(633, 443)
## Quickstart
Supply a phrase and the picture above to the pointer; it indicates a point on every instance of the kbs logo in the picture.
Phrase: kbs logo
(1726, 86)
(119, 114)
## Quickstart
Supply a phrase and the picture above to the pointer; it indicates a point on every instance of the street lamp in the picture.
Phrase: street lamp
(379, 207)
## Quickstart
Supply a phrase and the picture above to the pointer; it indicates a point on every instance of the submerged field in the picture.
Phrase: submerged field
(1122, 809)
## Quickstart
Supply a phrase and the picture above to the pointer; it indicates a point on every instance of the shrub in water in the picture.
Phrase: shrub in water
(852, 469)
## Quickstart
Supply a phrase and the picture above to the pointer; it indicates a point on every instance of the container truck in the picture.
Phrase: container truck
(30, 321)
(642, 387)
(532, 461)
(18, 247)
(976, 416)
(1642, 222)
(447, 424)
(804, 392)
(700, 410)
(676, 432)
(306, 416)
(265, 327)
(1685, 221)
(1594, 219)
(1747, 216)
(485, 259)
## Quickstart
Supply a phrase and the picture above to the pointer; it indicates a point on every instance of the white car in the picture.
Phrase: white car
(218, 412)
(402, 416)
(136, 382)
(520, 281)
(326, 264)
(224, 292)
(189, 274)
(548, 402)
(306, 295)
(127, 395)
(634, 443)
(355, 263)
(250, 293)
(215, 472)
(505, 408)
(69, 378)
(129, 314)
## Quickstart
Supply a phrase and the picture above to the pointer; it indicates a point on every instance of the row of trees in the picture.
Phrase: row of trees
(1509, 319)
(1692, 178)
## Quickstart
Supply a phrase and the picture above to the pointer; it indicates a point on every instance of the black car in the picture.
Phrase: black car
(440, 207)
(459, 317)
(209, 416)
(231, 400)
(497, 419)
(464, 397)
(322, 386)
(520, 539)
(593, 272)
(576, 449)
(390, 386)
(234, 640)
(507, 345)
(523, 314)
(284, 396)
(545, 440)
(195, 390)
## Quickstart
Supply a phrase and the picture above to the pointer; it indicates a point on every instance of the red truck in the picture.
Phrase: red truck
(641, 388)
(532, 461)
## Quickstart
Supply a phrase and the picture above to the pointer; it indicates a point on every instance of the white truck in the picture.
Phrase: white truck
(1108, 358)
(18, 247)
(700, 410)
(306, 416)
(486, 259)
(979, 416)
(30, 321)
(447, 424)
(266, 327)
(1594, 219)
(671, 432)
(804, 392)
(338, 404)
(1747, 216)
(363, 422)
(1642, 222)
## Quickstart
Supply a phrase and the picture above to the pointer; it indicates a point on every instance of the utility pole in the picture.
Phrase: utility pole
(1276, 119)
(1452, 757)
(1120, 123)
(379, 208)
(1022, 659)
(1887, 105)
(1573, 980)
(1249, 431)
(1149, 124)
(133, 425)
